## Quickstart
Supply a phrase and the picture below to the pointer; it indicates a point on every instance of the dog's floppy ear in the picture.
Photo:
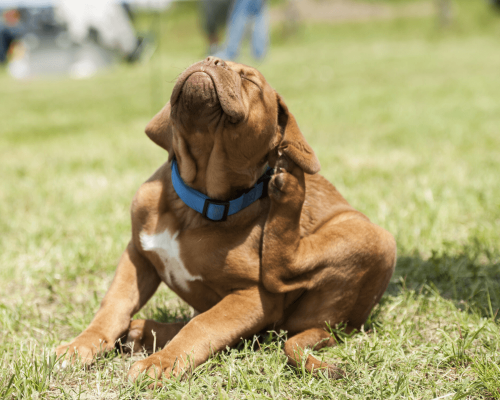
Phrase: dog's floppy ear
(293, 143)
(159, 130)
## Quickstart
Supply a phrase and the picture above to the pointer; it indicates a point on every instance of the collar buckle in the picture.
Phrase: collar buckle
(265, 180)
(216, 203)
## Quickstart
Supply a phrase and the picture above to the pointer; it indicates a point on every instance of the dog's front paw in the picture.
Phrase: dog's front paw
(287, 184)
(156, 367)
(84, 348)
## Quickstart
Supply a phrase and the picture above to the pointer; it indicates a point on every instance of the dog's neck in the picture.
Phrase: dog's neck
(214, 209)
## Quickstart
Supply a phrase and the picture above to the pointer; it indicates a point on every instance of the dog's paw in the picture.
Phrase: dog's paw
(334, 372)
(135, 336)
(155, 368)
(287, 184)
(84, 348)
(149, 335)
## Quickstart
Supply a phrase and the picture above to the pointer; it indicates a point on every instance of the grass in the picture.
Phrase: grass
(405, 120)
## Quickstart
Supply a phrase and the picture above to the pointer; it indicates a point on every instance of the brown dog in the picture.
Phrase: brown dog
(297, 260)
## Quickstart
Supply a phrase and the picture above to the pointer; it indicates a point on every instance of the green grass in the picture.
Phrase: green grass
(405, 119)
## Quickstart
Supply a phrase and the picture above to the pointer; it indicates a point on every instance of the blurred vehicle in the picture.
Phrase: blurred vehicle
(69, 36)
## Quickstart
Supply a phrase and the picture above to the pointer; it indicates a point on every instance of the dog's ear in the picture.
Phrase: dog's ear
(159, 130)
(293, 143)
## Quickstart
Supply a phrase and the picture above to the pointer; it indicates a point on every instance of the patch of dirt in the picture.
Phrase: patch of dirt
(347, 10)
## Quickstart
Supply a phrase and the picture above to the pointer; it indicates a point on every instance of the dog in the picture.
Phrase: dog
(248, 249)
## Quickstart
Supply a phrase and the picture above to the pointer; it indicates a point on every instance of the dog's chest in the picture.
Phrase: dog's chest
(166, 246)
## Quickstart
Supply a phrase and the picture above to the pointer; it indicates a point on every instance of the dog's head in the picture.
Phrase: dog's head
(223, 123)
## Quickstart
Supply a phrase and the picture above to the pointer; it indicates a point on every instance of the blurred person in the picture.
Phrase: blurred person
(214, 15)
(10, 30)
(106, 18)
(247, 12)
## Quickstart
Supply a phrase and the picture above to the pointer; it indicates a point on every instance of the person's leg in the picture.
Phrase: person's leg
(236, 29)
(260, 33)
(209, 23)
(214, 15)
(3, 47)
(6, 38)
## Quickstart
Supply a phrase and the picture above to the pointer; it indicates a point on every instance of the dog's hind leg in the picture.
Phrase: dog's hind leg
(335, 304)
(151, 335)
(315, 338)
(341, 251)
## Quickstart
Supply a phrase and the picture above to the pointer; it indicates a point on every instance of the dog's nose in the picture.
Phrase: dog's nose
(215, 62)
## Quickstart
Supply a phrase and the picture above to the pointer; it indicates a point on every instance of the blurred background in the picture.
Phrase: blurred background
(399, 98)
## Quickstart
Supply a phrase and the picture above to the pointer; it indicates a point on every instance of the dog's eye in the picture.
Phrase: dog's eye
(246, 78)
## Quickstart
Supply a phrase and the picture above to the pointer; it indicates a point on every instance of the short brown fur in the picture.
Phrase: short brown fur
(297, 260)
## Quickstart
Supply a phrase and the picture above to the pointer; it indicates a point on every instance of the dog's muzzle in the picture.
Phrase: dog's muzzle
(199, 91)
(193, 85)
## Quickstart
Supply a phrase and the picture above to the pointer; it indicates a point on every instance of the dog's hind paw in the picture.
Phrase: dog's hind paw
(150, 335)
(334, 372)
(135, 335)
(287, 184)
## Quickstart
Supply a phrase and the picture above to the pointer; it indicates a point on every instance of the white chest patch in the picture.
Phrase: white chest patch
(167, 247)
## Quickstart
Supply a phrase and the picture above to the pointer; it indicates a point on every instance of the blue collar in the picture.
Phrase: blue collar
(217, 210)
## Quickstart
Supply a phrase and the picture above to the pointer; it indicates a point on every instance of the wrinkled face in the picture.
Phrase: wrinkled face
(224, 119)
(223, 124)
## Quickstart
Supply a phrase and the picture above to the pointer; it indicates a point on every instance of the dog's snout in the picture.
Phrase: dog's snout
(215, 62)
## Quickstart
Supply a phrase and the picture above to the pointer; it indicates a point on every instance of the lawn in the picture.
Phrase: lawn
(405, 118)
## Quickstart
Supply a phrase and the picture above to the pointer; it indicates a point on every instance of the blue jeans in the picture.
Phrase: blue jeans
(243, 13)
